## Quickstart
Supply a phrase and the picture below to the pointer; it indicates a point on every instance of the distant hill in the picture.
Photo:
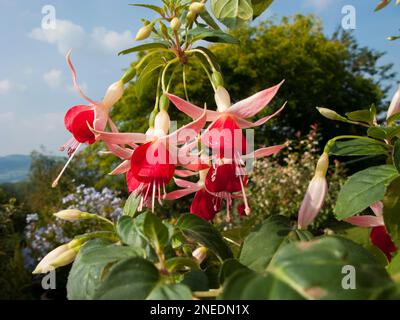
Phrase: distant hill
(14, 168)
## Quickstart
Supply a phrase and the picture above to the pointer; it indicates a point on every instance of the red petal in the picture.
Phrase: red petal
(224, 136)
(205, 205)
(151, 163)
(76, 121)
(381, 239)
(131, 182)
(223, 178)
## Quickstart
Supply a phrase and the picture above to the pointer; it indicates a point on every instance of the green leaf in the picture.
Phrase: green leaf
(196, 280)
(361, 115)
(155, 231)
(157, 9)
(131, 205)
(232, 13)
(211, 35)
(147, 74)
(315, 269)
(261, 245)
(203, 232)
(363, 189)
(391, 211)
(377, 133)
(259, 6)
(143, 47)
(229, 267)
(110, 253)
(130, 279)
(177, 263)
(171, 292)
(396, 155)
(394, 268)
(209, 20)
(249, 285)
(358, 147)
(84, 278)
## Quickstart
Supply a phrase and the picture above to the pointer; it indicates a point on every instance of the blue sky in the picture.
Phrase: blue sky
(35, 84)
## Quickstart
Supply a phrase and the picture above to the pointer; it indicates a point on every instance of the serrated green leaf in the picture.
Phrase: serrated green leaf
(85, 278)
(232, 13)
(363, 189)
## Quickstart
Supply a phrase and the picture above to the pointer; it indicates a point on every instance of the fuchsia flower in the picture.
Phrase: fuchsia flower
(394, 105)
(150, 166)
(379, 236)
(78, 118)
(225, 138)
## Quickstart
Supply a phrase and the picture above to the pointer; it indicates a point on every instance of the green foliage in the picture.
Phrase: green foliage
(363, 189)
(391, 209)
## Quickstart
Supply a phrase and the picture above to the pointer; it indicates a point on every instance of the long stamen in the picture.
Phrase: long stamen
(247, 209)
(55, 182)
(153, 197)
(65, 145)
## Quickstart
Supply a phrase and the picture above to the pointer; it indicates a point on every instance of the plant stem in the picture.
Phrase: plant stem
(207, 294)
(165, 71)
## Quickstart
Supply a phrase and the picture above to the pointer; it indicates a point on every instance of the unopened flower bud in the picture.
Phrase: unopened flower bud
(129, 74)
(217, 79)
(190, 17)
(162, 123)
(330, 114)
(196, 7)
(113, 94)
(65, 258)
(144, 32)
(315, 194)
(72, 215)
(200, 254)
(222, 98)
(164, 102)
(175, 24)
(394, 105)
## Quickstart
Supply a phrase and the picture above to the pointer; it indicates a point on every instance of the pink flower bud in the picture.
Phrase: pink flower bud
(161, 123)
(315, 195)
(222, 98)
(200, 254)
(394, 105)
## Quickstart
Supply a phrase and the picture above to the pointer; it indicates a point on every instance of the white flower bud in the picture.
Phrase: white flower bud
(44, 265)
(196, 7)
(175, 24)
(222, 98)
(200, 254)
(161, 123)
(113, 94)
(144, 32)
(71, 215)
(394, 105)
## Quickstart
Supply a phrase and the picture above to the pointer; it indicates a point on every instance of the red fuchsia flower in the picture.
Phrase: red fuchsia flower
(224, 134)
(379, 236)
(152, 164)
(78, 118)
(225, 137)
(315, 194)
(204, 205)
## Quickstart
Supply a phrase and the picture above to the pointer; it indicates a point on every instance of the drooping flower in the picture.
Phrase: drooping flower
(224, 134)
(78, 118)
(379, 236)
(151, 165)
(315, 194)
(394, 105)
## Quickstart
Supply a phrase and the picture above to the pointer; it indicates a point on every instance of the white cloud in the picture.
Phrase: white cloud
(65, 36)
(53, 78)
(320, 5)
(5, 86)
(69, 35)
(7, 118)
(111, 41)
